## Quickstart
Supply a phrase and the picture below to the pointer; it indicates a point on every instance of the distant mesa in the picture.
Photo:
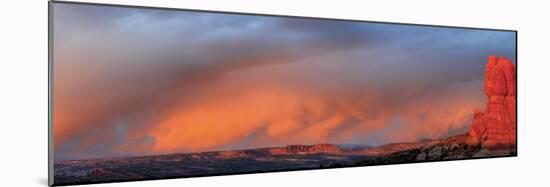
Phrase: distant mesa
(496, 127)
(307, 149)
(231, 154)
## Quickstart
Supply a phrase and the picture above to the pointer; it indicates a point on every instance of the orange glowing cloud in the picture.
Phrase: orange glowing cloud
(260, 107)
(257, 113)
(225, 119)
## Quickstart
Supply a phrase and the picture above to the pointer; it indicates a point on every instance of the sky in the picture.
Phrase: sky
(131, 81)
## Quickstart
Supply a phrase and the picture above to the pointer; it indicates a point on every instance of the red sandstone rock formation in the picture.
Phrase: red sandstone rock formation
(496, 127)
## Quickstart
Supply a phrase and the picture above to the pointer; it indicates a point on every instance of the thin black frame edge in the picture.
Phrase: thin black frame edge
(275, 15)
(517, 93)
(51, 181)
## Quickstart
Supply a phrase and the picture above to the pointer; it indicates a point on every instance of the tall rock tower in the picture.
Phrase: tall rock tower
(496, 127)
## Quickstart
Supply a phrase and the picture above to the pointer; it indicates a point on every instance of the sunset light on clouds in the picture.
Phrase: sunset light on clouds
(145, 81)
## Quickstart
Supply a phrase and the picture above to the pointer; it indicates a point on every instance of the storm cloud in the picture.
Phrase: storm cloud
(131, 81)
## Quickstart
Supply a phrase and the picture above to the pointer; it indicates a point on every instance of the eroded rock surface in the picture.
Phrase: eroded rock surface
(496, 127)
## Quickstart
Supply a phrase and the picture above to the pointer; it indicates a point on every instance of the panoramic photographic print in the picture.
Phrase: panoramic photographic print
(145, 93)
